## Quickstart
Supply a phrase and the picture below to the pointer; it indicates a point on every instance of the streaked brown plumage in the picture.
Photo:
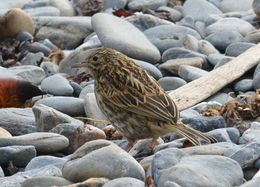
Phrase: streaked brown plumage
(133, 100)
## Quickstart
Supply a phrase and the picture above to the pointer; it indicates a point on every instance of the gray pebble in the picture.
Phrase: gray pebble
(33, 59)
(251, 134)
(37, 47)
(45, 181)
(117, 4)
(43, 11)
(143, 4)
(190, 73)
(171, 83)
(244, 85)
(150, 68)
(24, 36)
(256, 81)
(65, 7)
(49, 68)
(220, 97)
(235, 5)
(126, 182)
(237, 48)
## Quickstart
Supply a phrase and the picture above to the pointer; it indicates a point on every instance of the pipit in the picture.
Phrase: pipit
(133, 101)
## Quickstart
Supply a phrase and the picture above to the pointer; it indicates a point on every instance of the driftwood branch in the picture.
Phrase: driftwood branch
(204, 87)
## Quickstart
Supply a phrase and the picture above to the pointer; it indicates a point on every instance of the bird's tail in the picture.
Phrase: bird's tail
(191, 134)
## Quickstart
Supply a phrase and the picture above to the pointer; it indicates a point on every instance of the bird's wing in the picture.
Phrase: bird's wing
(143, 97)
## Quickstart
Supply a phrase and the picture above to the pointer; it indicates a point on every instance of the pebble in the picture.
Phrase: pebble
(190, 42)
(57, 85)
(189, 113)
(65, 7)
(4, 133)
(150, 68)
(222, 39)
(235, 5)
(125, 181)
(174, 14)
(146, 21)
(116, 4)
(244, 85)
(190, 73)
(48, 118)
(45, 161)
(175, 53)
(17, 121)
(214, 59)
(24, 36)
(4, 72)
(220, 97)
(20, 156)
(45, 181)
(204, 123)
(15, 21)
(143, 4)
(38, 47)
(71, 106)
(206, 48)
(199, 10)
(168, 36)
(65, 32)
(256, 81)
(230, 24)
(43, 11)
(29, 73)
(94, 155)
(137, 46)
(43, 142)
(251, 134)
(49, 68)
(223, 61)
(33, 59)
(171, 83)
(209, 170)
(237, 48)
(253, 37)
(220, 135)
(173, 65)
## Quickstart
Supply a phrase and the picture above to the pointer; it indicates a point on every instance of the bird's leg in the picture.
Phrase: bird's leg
(130, 144)
(153, 142)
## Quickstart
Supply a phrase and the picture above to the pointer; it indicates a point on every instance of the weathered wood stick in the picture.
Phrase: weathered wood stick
(204, 87)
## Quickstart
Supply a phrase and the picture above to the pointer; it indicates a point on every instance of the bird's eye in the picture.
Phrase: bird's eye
(95, 58)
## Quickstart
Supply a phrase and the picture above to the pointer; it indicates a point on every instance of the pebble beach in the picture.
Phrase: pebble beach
(61, 137)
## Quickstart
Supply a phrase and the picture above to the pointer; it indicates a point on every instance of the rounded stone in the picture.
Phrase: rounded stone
(235, 5)
(144, 4)
(244, 85)
(150, 68)
(126, 182)
(171, 83)
(43, 11)
(190, 73)
(65, 7)
(253, 36)
(45, 181)
(15, 21)
(4, 132)
(91, 159)
(238, 48)
(114, 32)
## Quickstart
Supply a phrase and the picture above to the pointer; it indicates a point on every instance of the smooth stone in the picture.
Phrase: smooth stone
(43, 142)
(256, 7)
(125, 181)
(173, 65)
(65, 7)
(229, 24)
(223, 61)
(78, 134)
(190, 42)
(238, 48)
(220, 135)
(165, 159)
(220, 97)
(189, 113)
(171, 83)
(199, 10)
(65, 32)
(200, 27)
(190, 73)
(257, 70)
(48, 118)
(214, 59)
(38, 47)
(256, 81)
(235, 5)
(29, 73)
(218, 148)
(204, 170)
(222, 39)
(43, 11)
(206, 48)
(17, 121)
(150, 68)
(174, 15)
(18, 178)
(244, 85)
(44, 161)
(46, 42)
(168, 36)
(57, 85)
(234, 134)
(116, 4)
(15, 21)
(205, 123)
(137, 46)
(91, 41)
(94, 155)
(20, 156)
(71, 106)
(49, 68)
(175, 53)
(4, 72)
(247, 155)
(205, 105)
(4, 132)
(251, 134)
(144, 4)
(34, 4)
(87, 89)
(45, 181)
(253, 37)
(34, 59)
(146, 21)
(24, 36)
(91, 107)
(249, 172)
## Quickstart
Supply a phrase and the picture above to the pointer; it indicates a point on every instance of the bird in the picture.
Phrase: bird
(133, 101)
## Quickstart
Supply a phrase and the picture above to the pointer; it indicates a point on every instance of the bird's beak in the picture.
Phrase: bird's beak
(83, 65)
